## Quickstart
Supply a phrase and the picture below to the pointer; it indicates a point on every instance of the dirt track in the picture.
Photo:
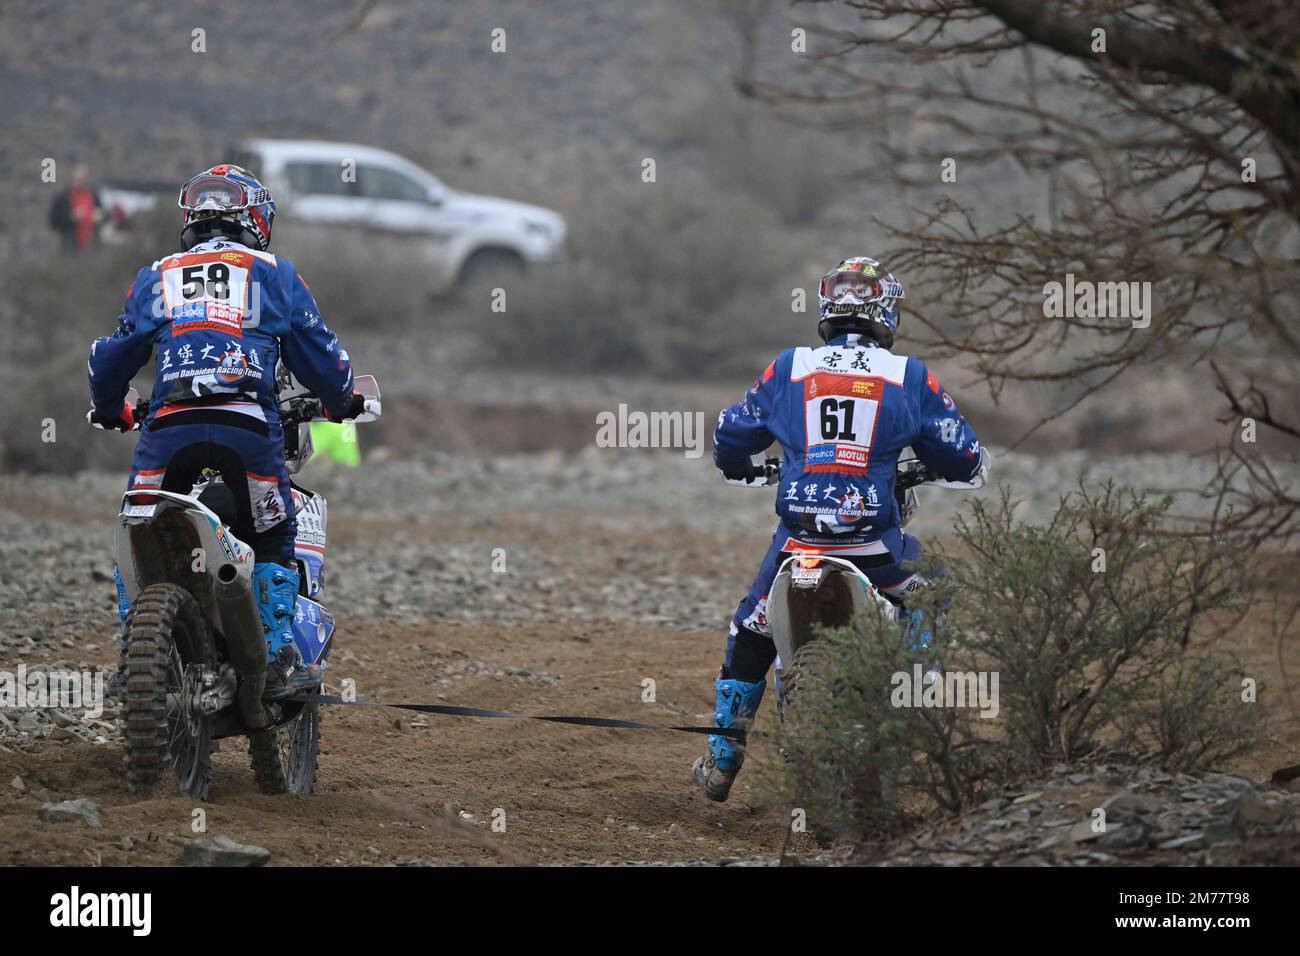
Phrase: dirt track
(399, 782)
(574, 627)
(610, 581)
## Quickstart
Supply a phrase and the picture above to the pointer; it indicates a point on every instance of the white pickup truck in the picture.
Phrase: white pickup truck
(322, 186)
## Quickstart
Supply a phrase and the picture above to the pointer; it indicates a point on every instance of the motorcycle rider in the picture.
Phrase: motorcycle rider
(220, 314)
(842, 413)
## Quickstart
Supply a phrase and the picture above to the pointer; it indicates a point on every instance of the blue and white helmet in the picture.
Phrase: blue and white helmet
(860, 296)
(226, 201)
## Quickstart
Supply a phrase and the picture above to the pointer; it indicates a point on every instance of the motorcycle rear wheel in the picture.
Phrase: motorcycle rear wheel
(166, 646)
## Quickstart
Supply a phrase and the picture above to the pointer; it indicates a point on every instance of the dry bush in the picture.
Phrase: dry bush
(1091, 665)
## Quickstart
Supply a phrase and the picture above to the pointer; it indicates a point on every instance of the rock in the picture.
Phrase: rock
(1249, 810)
(223, 851)
(62, 720)
(1125, 835)
(1126, 805)
(80, 809)
(28, 724)
(126, 843)
(1229, 781)
(17, 784)
(1221, 833)
(62, 733)
(677, 832)
(1082, 832)
(1190, 841)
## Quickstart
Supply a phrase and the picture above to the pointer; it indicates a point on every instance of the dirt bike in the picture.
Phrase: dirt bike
(814, 590)
(193, 657)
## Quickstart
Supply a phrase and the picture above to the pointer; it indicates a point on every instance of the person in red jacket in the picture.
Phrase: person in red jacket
(76, 212)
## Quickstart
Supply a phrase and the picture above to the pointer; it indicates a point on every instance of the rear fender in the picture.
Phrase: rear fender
(830, 595)
(167, 537)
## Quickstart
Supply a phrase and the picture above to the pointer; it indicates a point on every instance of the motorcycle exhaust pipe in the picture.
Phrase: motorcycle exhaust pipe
(245, 644)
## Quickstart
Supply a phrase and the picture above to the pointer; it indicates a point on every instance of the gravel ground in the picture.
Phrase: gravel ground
(583, 536)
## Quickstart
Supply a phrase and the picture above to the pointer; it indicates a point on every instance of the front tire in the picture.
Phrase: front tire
(166, 646)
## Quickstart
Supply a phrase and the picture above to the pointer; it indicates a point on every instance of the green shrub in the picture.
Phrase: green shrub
(1090, 664)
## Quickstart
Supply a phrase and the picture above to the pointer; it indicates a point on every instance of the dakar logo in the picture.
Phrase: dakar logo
(233, 367)
(853, 505)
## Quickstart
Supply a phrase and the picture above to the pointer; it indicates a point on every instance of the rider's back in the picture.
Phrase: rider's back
(843, 414)
(218, 317)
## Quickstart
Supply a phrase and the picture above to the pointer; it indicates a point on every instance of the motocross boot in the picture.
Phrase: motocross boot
(117, 679)
(290, 675)
(737, 702)
(276, 587)
(918, 631)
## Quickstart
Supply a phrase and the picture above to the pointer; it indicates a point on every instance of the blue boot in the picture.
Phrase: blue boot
(916, 629)
(737, 703)
(117, 679)
(123, 602)
(276, 589)
(287, 673)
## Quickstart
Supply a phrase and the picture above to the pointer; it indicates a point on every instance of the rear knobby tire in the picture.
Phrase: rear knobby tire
(166, 633)
(285, 759)
(801, 678)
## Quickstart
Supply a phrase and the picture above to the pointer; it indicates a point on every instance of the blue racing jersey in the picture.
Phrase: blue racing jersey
(843, 414)
(219, 317)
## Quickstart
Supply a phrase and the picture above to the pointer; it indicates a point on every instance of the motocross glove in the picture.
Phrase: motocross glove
(123, 421)
(356, 405)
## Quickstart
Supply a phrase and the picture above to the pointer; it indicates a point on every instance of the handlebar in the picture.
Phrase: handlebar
(302, 408)
(910, 473)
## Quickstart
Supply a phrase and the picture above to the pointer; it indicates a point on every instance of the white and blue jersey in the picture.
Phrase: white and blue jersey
(843, 414)
(217, 319)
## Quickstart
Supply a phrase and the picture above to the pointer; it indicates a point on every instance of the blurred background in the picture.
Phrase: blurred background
(677, 288)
